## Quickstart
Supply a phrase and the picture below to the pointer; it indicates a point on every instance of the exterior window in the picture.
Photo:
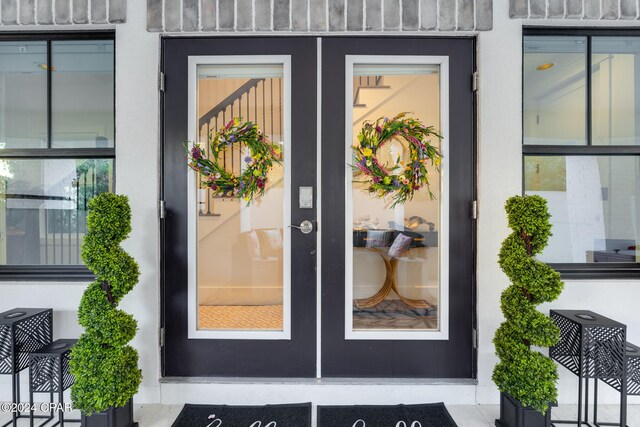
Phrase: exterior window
(57, 136)
(581, 147)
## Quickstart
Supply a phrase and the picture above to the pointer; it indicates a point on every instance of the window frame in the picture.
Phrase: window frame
(582, 270)
(60, 272)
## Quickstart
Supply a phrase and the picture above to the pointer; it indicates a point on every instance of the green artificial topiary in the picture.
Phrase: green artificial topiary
(522, 373)
(105, 367)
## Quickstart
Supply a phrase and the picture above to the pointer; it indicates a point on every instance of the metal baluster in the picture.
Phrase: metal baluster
(54, 234)
(280, 108)
(78, 220)
(46, 236)
(69, 233)
(84, 187)
(224, 122)
(61, 237)
(232, 145)
(208, 152)
(271, 108)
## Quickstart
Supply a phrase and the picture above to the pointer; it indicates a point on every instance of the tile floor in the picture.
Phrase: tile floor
(464, 415)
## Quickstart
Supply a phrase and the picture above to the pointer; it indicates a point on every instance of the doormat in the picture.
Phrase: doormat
(294, 415)
(430, 415)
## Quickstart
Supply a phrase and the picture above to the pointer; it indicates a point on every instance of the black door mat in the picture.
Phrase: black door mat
(429, 415)
(293, 415)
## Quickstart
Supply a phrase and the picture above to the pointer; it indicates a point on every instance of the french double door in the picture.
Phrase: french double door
(317, 277)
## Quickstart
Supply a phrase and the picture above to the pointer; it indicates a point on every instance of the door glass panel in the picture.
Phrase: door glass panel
(395, 269)
(241, 248)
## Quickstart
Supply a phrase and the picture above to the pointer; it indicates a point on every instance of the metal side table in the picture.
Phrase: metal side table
(22, 330)
(591, 346)
(632, 362)
(49, 373)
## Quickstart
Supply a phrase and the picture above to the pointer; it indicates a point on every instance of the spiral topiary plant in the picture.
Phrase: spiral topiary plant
(525, 374)
(105, 367)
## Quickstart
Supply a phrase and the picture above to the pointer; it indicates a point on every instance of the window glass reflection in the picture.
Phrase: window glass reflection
(615, 90)
(43, 208)
(23, 94)
(595, 206)
(82, 91)
(554, 90)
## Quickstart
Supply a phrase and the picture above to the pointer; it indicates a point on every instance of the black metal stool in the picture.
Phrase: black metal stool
(632, 359)
(22, 330)
(49, 373)
(592, 347)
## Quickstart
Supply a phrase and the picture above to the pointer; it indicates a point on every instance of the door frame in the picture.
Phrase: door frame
(279, 357)
(373, 358)
(318, 196)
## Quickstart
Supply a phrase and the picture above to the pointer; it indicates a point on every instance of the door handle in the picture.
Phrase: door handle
(305, 226)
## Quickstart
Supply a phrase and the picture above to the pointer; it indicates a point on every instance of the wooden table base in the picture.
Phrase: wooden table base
(391, 265)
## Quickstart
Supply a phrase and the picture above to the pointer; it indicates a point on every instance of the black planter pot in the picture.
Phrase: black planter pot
(112, 417)
(513, 414)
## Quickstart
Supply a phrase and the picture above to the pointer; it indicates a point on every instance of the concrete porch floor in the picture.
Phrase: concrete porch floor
(464, 415)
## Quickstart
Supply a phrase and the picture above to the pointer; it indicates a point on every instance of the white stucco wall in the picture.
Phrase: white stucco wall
(499, 177)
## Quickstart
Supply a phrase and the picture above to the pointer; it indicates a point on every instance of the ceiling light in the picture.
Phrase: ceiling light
(545, 66)
(45, 67)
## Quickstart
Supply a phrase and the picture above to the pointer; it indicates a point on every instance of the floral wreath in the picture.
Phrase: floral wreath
(405, 178)
(257, 164)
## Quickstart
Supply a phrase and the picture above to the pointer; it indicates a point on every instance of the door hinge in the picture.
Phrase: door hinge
(161, 81)
(161, 337)
(474, 337)
(162, 206)
(474, 209)
(475, 81)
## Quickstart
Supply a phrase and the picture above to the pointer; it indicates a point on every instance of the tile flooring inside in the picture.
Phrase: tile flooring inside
(464, 415)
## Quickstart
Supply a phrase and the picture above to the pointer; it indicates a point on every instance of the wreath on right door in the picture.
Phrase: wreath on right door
(404, 178)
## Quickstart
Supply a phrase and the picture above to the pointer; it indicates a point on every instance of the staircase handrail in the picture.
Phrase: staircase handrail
(228, 101)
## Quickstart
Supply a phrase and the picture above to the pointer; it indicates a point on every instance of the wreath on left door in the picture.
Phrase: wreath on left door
(260, 159)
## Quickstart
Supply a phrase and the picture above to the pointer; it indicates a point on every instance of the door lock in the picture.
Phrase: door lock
(305, 226)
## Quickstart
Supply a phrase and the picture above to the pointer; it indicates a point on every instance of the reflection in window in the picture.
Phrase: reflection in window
(615, 90)
(396, 258)
(23, 94)
(43, 208)
(82, 86)
(594, 202)
(555, 106)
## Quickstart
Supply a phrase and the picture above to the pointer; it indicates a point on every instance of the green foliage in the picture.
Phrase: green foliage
(105, 367)
(527, 375)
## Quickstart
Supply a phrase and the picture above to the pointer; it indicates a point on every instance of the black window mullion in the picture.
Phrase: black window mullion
(49, 96)
(589, 94)
(59, 153)
(581, 150)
